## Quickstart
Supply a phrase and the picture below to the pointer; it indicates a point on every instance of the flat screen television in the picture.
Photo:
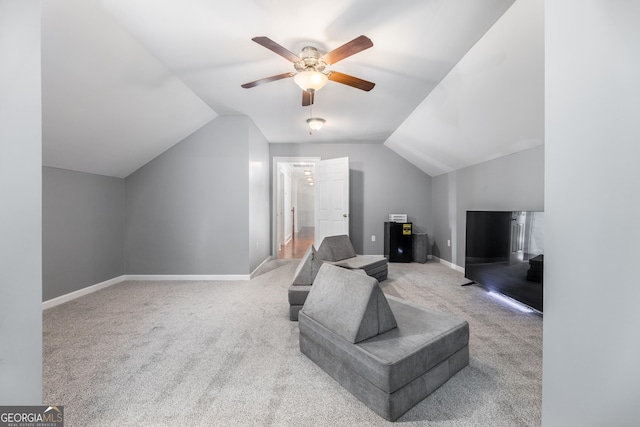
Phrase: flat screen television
(505, 253)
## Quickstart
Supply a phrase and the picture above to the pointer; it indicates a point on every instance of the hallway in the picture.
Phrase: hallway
(297, 246)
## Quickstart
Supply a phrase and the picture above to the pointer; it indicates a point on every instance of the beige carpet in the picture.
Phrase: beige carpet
(225, 353)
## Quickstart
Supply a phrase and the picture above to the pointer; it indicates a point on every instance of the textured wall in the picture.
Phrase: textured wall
(259, 207)
(83, 220)
(591, 314)
(514, 182)
(21, 212)
(189, 210)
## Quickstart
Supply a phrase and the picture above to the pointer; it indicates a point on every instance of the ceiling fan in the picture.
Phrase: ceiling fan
(311, 67)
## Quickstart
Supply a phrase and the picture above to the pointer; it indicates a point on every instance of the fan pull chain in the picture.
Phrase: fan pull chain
(311, 112)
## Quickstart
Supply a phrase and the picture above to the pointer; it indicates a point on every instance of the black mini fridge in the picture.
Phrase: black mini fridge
(398, 242)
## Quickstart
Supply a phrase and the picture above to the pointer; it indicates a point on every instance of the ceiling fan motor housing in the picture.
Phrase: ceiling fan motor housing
(311, 60)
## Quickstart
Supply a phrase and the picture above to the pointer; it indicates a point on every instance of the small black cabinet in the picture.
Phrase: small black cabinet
(398, 242)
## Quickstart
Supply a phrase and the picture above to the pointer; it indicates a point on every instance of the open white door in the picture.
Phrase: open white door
(332, 198)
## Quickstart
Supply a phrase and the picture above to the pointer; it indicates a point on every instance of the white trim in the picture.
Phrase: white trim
(81, 292)
(274, 194)
(90, 289)
(448, 264)
(252, 275)
(205, 277)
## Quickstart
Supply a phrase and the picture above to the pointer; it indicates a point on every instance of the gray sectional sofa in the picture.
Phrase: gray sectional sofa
(302, 280)
(389, 353)
(339, 251)
(336, 250)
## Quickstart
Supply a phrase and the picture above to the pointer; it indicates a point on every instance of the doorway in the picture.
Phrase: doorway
(294, 206)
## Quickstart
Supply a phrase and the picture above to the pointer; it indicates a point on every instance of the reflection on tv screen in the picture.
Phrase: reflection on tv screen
(505, 253)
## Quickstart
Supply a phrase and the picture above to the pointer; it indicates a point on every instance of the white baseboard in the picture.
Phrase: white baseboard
(252, 275)
(187, 277)
(80, 292)
(449, 264)
(90, 289)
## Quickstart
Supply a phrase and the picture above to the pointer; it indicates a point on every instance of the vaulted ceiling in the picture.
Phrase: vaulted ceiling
(457, 82)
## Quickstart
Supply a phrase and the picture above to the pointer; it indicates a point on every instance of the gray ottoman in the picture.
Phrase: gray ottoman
(297, 296)
(389, 353)
(302, 280)
(338, 250)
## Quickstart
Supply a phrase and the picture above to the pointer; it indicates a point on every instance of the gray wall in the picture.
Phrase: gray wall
(591, 337)
(188, 210)
(514, 182)
(83, 219)
(381, 182)
(259, 213)
(20, 215)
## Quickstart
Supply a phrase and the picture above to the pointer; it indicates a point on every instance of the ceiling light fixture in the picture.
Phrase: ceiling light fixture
(315, 123)
(310, 80)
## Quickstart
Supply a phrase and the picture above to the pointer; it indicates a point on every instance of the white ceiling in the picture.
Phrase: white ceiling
(491, 103)
(124, 80)
(109, 106)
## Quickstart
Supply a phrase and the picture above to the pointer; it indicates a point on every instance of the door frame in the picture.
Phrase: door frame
(276, 189)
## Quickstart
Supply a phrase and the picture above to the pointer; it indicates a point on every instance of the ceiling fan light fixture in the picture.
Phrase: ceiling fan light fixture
(310, 80)
(315, 123)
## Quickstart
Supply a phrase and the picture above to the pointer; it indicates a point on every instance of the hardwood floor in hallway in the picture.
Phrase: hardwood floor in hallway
(297, 246)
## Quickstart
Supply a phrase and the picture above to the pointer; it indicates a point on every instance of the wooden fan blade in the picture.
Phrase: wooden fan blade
(346, 50)
(307, 98)
(275, 47)
(267, 80)
(348, 80)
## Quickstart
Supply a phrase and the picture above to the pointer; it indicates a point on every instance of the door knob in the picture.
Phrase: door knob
(345, 215)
